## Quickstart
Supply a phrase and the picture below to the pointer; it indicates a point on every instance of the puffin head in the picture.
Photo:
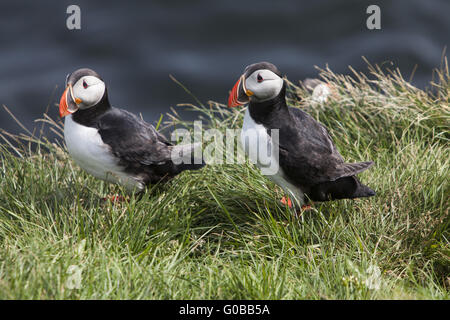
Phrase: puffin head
(260, 82)
(84, 89)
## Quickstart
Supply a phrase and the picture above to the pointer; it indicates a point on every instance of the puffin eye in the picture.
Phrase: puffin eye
(85, 85)
(259, 78)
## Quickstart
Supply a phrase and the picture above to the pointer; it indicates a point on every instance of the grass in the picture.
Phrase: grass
(221, 233)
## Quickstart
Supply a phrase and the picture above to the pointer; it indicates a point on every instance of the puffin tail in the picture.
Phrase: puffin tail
(342, 188)
(363, 191)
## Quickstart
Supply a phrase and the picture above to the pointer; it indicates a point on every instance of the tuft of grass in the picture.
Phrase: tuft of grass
(221, 232)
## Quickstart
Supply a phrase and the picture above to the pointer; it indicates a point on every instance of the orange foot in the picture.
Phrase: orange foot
(115, 199)
(286, 200)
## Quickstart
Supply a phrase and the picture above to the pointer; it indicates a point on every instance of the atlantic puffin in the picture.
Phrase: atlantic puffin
(310, 167)
(113, 144)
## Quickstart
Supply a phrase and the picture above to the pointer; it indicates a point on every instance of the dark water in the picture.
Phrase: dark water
(204, 44)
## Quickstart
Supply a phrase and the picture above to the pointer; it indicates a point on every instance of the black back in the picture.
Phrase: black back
(307, 155)
(141, 150)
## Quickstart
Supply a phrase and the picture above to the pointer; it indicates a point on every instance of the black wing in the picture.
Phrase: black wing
(132, 139)
(308, 155)
(315, 132)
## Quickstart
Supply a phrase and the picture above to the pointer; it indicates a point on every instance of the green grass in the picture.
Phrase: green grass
(221, 233)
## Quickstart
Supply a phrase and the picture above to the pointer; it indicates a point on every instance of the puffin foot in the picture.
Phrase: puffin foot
(286, 201)
(115, 199)
(306, 207)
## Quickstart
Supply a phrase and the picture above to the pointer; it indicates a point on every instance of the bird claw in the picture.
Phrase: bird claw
(286, 201)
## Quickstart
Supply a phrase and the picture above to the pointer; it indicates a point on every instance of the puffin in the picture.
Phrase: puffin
(309, 167)
(113, 144)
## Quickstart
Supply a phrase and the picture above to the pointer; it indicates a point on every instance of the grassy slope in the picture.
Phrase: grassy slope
(221, 232)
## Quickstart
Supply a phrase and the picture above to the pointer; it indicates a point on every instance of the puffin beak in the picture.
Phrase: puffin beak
(239, 95)
(68, 104)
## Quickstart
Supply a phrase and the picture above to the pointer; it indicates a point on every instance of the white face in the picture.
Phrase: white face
(90, 90)
(264, 84)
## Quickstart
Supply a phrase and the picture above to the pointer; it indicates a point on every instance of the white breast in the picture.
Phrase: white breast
(254, 140)
(257, 145)
(87, 149)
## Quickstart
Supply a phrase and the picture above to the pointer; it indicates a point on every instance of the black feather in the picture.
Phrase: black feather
(308, 157)
(342, 188)
(140, 148)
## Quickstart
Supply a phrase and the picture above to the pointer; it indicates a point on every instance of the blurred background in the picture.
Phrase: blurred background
(203, 44)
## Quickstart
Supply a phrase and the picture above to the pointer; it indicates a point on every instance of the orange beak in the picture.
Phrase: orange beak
(239, 95)
(68, 104)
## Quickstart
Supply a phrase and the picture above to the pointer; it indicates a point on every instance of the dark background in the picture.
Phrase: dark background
(204, 44)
